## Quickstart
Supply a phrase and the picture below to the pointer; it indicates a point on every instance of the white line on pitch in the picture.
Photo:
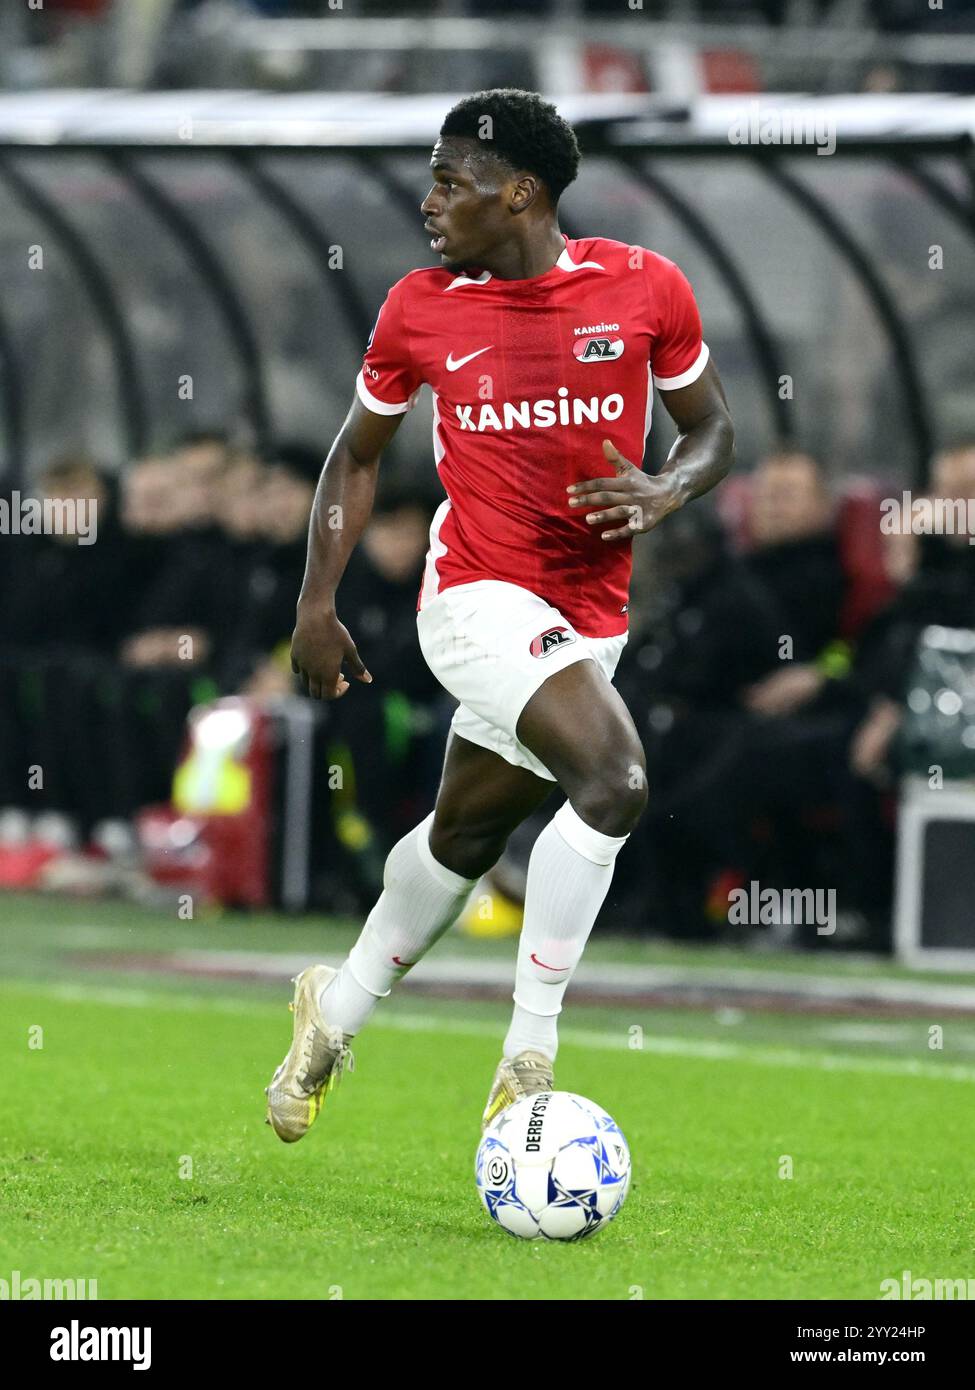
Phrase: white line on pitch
(694, 1049)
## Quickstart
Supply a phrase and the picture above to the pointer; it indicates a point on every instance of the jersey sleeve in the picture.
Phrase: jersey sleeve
(387, 383)
(678, 354)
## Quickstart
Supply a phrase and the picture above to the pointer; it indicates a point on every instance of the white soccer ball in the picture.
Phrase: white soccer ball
(553, 1166)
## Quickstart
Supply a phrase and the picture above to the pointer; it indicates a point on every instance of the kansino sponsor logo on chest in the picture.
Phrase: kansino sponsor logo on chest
(541, 414)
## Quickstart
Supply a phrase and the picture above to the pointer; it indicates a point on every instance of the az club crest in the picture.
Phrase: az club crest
(597, 349)
(547, 641)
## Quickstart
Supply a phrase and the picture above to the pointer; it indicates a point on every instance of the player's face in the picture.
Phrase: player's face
(466, 209)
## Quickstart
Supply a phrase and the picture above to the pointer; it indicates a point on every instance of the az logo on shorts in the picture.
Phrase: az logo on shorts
(547, 641)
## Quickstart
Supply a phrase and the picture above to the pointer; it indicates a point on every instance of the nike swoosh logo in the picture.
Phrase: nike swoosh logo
(452, 366)
(559, 969)
(406, 964)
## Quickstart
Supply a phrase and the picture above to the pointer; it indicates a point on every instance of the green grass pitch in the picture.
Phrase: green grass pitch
(133, 1149)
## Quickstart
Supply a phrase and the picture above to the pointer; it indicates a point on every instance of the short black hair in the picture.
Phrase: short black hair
(525, 133)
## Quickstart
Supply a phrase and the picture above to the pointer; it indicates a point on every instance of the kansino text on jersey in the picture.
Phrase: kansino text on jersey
(509, 415)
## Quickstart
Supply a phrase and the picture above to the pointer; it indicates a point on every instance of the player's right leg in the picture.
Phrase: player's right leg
(428, 878)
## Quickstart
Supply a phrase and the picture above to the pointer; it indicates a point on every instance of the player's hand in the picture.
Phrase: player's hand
(320, 647)
(632, 497)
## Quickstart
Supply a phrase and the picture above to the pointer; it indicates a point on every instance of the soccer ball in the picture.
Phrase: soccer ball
(552, 1166)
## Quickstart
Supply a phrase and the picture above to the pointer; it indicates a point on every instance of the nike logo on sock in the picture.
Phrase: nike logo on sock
(557, 968)
(404, 964)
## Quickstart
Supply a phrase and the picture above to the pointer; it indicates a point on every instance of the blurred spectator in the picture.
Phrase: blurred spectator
(57, 592)
(940, 590)
(59, 624)
(796, 556)
(274, 520)
(803, 801)
(785, 806)
(793, 547)
(387, 734)
(709, 630)
(760, 765)
(180, 613)
(378, 594)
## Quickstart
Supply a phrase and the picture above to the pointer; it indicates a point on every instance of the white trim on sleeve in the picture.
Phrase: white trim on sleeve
(373, 403)
(674, 383)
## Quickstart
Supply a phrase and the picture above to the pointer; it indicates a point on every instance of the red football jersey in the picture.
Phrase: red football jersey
(528, 378)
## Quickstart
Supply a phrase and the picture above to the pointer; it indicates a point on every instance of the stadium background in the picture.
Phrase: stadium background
(201, 208)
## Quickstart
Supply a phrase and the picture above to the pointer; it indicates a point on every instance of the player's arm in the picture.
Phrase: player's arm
(704, 450)
(342, 506)
(702, 455)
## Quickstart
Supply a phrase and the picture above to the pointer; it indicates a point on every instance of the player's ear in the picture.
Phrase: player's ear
(524, 192)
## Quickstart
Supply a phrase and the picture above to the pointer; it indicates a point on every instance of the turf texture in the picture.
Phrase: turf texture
(133, 1150)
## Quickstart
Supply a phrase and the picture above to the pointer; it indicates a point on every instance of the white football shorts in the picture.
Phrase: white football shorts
(491, 645)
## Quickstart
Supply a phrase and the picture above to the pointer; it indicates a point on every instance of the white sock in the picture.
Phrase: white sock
(421, 898)
(569, 873)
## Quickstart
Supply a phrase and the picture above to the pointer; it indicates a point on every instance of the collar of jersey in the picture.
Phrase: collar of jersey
(565, 263)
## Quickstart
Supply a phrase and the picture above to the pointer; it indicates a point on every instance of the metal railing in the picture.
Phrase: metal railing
(76, 192)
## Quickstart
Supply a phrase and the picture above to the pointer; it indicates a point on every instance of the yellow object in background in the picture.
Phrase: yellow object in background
(211, 784)
(490, 915)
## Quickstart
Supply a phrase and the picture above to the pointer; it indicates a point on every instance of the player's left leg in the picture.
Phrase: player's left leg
(577, 724)
(428, 878)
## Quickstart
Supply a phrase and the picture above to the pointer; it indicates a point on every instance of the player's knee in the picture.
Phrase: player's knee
(613, 798)
(468, 850)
